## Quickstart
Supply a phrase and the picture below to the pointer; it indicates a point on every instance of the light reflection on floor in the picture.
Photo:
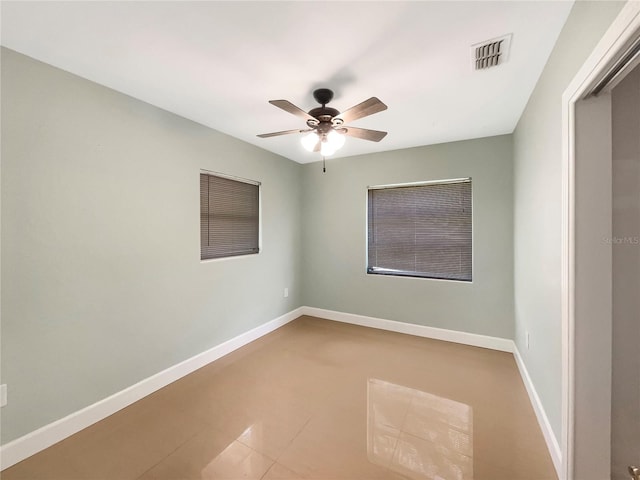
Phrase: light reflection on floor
(238, 457)
(418, 434)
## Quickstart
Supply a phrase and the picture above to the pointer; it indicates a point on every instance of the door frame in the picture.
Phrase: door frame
(624, 28)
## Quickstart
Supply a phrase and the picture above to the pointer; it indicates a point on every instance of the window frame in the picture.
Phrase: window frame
(407, 275)
(242, 180)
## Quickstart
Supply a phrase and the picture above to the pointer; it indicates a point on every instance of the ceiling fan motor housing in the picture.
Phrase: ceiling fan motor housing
(323, 114)
(323, 95)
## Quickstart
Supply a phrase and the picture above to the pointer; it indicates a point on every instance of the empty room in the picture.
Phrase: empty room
(320, 240)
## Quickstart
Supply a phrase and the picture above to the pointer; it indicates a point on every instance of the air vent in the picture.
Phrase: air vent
(490, 53)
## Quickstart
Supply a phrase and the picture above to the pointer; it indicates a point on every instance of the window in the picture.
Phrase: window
(421, 230)
(229, 216)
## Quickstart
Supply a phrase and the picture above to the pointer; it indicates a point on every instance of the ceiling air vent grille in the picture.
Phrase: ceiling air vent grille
(490, 53)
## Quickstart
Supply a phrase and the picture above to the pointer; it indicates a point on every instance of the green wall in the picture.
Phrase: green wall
(334, 238)
(101, 273)
(537, 209)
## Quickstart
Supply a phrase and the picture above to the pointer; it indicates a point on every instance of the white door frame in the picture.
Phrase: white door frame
(625, 27)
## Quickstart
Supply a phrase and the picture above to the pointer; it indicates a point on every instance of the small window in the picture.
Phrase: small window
(421, 230)
(229, 217)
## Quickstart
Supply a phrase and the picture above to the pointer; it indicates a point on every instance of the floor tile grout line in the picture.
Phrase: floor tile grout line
(172, 452)
(404, 418)
(290, 443)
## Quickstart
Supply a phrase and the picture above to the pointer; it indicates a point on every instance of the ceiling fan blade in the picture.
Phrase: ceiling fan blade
(365, 134)
(285, 132)
(364, 109)
(287, 106)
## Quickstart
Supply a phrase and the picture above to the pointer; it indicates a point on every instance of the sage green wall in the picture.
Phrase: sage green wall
(334, 238)
(101, 275)
(537, 211)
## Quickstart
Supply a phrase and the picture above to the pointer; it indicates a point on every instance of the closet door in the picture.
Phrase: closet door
(625, 398)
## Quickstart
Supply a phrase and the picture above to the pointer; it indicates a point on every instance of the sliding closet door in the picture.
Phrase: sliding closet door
(625, 398)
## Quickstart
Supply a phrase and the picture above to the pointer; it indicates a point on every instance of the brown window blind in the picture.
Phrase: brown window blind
(421, 230)
(229, 217)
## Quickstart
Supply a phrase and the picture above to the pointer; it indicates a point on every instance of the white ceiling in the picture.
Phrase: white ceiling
(218, 63)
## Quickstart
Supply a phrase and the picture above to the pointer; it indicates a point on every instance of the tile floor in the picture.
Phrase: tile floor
(319, 400)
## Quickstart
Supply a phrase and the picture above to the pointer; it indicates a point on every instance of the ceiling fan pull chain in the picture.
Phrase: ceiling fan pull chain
(324, 167)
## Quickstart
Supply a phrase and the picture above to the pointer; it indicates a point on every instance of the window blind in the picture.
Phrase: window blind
(421, 230)
(229, 217)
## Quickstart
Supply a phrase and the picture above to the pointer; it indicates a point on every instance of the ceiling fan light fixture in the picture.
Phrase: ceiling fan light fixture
(327, 149)
(310, 141)
(335, 139)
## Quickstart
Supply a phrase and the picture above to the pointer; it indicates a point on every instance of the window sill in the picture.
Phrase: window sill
(221, 259)
(417, 277)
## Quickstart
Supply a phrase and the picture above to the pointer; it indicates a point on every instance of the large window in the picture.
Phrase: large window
(229, 216)
(421, 230)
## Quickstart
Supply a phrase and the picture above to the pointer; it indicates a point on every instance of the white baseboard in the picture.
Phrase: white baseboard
(33, 442)
(473, 339)
(30, 444)
(552, 442)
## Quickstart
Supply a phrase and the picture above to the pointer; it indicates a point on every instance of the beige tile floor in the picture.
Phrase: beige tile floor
(319, 400)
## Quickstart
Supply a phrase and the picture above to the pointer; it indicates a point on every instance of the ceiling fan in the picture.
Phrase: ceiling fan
(326, 126)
